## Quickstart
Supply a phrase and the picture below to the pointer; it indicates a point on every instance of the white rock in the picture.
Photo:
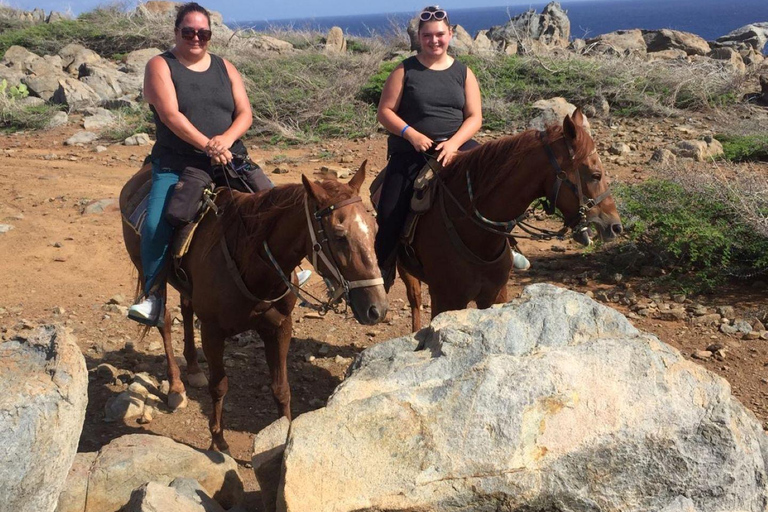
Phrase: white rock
(43, 395)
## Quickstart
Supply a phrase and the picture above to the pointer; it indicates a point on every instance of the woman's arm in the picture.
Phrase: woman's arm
(387, 111)
(160, 92)
(473, 120)
(242, 116)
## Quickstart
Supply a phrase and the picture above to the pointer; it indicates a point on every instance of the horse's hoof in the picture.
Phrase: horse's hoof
(177, 400)
(197, 380)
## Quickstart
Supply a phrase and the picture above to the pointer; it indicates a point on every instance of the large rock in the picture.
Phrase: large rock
(552, 111)
(75, 55)
(155, 497)
(730, 57)
(75, 94)
(43, 394)
(753, 36)
(699, 150)
(665, 39)
(130, 461)
(103, 79)
(620, 43)
(551, 28)
(45, 85)
(335, 42)
(268, 448)
(270, 44)
(462, 43)
(550, 402)
(136, 61)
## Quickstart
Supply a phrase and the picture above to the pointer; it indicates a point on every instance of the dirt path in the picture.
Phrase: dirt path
(59, 264)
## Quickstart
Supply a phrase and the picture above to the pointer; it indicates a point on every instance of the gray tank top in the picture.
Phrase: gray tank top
(205, 98)
(432, 101)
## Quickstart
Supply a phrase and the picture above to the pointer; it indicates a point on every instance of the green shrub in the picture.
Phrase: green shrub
(744, 148)
(692, 230)
(15, 117)
(371, 91)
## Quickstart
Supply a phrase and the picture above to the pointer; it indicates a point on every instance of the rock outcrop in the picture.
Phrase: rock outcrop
(104, 482)
(43, 395)
(551, 28)
(550, 402)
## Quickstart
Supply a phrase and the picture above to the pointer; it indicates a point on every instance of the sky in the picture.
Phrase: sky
(248, 10)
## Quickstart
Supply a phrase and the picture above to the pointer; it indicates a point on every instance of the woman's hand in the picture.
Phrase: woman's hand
(217, 145)
(446, 151)
(418, 140)
(222, 159)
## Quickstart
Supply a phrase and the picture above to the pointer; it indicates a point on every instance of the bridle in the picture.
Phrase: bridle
(338, 285)
(504, 228)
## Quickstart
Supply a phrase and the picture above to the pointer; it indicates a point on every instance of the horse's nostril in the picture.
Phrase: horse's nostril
(373, 313)
(616, 228)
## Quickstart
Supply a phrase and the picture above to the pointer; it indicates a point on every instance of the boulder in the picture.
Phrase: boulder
(673, 54)
(268, 449)
(43, 395)
(663, 157)
(552, 111)
(75, 55)
(551, 28)
(753, 36)
(155, 497)
(270, 44)
(462, 43)
(413, 33)
(666, 39)
(730, 57)
(75, 94)
(550, 402)
(621, 43)
(190, 488)
(482, 45)
(110, 477)
(699, 150)
(44, 86)
(58, 119)
(136, 61)
(104, 80)
(98, 118)
(335, 42)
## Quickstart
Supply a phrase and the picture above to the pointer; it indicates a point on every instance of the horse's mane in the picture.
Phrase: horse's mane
(490, 163)
(253, 216)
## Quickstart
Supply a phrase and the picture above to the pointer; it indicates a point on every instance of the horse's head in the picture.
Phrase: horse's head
(588, 201)
(343, 245)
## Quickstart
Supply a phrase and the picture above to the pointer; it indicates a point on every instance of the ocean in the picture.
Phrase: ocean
(709, 19)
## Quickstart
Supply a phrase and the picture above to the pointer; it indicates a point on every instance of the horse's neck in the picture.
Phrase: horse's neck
(287, 241)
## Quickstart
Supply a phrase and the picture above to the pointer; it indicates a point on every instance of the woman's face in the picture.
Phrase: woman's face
(194, 21)
(434, 37)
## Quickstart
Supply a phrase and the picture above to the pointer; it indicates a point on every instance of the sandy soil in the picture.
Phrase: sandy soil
(59, 264)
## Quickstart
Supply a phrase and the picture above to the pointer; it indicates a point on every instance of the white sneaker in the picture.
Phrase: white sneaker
(303, 276)
(148, 311)
(520, 262)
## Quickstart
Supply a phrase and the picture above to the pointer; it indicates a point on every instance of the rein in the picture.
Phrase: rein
(504, 228)
(338, 287)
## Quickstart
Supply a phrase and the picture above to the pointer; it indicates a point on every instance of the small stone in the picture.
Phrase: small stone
(742, 326)
(335, 172)
(752, 335)
(58, 310)
(679, 298)
(728, 329)
(107, 372)
(702, 355)
(726, 311)
(139, 139)
(309, 358)
(323, 350)
(280, 170)
(116, 299)
(4, 228)
(99, 149)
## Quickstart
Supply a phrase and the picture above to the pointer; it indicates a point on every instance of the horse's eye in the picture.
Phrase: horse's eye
(597, 176)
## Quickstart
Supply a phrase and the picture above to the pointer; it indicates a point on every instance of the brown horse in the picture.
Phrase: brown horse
(245, 251)
(464, 256)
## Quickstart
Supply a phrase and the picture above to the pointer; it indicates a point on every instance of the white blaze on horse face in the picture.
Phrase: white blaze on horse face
(361, 224)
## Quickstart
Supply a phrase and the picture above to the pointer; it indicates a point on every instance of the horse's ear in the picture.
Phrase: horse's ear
(357, 180)
(572, 123)
(315, 191)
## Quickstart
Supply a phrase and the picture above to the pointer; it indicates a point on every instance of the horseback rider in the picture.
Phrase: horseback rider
(430, 102)
(201, 110)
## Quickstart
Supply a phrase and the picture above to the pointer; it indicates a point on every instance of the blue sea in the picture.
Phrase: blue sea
(709, 19)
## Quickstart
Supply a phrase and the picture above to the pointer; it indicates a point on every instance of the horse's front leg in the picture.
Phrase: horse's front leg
(486, 300)
(275, 330)
(177, 394)
(195, 375)
(213, 347)
(413, 292)
(446, 300)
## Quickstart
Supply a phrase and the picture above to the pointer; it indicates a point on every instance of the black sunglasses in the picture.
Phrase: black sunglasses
(189, 34)
(437, 14)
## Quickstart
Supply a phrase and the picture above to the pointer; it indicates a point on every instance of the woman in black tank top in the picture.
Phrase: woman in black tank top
(201, 110)
(428, 100)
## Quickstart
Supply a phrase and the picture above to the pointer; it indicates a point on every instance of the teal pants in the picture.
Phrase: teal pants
(156, 232)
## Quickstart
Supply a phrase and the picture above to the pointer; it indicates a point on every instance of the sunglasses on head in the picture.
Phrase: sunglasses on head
(437, 14)
(189, 33)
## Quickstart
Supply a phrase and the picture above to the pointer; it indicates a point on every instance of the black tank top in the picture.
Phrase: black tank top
(432, 101)
(205, 98)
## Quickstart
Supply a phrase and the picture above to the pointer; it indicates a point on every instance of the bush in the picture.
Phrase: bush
(130, 121)
(310, 94)
(697, 229)
(744, 148)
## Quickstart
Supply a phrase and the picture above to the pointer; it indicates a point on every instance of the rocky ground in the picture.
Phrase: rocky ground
(62, 260)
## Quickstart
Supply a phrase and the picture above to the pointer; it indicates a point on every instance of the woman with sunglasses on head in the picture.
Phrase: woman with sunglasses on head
(429, 102)
(201, 110)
